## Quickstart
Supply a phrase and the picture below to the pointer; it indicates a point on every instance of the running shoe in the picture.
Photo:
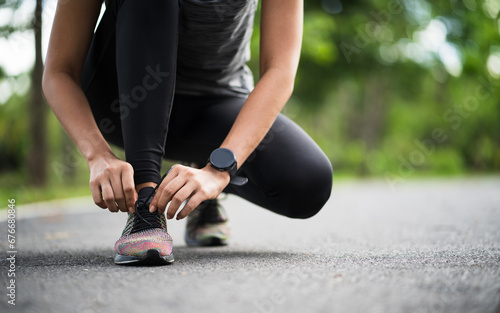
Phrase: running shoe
(207, 225)
(145, 240)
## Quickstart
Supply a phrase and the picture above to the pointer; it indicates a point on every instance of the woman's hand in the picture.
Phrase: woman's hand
(112, 183)
(186, 183)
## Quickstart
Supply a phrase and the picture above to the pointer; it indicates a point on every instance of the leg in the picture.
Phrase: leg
(292, 175)
(128, 78)
(288, 173)
(146, 64)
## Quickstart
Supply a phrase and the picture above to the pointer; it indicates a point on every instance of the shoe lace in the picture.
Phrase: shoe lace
(146, 219)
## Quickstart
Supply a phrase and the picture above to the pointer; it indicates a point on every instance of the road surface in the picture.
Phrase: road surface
(426, 246)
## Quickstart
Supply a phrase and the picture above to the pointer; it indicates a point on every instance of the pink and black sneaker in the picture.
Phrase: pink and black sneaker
(145, 240)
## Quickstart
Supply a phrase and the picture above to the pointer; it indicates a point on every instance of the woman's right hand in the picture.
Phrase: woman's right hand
(112, 183)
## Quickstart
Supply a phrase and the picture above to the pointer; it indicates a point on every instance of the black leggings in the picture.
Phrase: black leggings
(129, 81)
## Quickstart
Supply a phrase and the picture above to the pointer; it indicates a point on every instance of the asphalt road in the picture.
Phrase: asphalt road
(427, 246)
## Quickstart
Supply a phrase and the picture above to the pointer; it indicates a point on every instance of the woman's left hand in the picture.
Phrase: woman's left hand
(187, 183)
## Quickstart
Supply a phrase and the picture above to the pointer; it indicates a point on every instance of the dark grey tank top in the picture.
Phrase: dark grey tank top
(214, 47)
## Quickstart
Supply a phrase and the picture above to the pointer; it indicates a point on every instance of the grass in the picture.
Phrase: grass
(15, 186)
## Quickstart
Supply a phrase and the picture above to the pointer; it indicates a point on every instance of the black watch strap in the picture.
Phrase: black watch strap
(235, 179)
(238, 180)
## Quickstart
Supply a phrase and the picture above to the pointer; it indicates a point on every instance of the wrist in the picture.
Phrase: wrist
(96, 155)
(223, 176)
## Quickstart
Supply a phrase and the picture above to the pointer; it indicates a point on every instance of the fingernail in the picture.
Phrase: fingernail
(169, 217)
(152, 208)
(131, 209)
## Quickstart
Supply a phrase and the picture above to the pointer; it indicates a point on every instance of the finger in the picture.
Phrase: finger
(168, 192)
(116, 184)
(97, 195)
(185, 192)
(109, 197)
(191, 204)
(129, 188)
(171, 175)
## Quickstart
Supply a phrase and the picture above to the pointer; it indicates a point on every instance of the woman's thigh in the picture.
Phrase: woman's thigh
(288, 172)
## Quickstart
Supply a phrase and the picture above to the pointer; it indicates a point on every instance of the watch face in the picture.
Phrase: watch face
(222, 158)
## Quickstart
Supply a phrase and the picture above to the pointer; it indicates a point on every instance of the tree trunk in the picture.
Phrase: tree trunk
(37, 157)
(374, 114)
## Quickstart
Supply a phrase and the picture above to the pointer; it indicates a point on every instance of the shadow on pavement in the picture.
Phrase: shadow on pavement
(183, 256)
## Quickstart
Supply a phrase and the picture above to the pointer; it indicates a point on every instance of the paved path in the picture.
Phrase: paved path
(427, 246)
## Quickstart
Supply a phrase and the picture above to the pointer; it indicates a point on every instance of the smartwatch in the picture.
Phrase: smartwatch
(223, 160)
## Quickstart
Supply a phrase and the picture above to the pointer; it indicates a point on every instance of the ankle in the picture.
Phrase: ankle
(144, 185)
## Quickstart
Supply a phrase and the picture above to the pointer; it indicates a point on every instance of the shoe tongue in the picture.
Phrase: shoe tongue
(144, 193)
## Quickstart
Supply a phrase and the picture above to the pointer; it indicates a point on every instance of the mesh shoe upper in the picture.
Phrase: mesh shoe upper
(144, 230)
(207, 225)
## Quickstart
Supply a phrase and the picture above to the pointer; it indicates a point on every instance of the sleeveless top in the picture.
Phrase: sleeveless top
(214, 47)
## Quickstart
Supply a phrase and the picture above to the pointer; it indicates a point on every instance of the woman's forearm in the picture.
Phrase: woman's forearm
(72, 32)
(70, 106)
(259, 112)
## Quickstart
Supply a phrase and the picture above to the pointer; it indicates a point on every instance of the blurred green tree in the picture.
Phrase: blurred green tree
(37, 110)
(377, 78)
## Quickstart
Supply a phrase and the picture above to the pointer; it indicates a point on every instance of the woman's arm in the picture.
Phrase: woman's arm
(281, 37)
(280, 43)
(111, 180)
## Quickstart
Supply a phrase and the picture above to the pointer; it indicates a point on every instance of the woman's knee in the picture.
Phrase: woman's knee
(311, 190)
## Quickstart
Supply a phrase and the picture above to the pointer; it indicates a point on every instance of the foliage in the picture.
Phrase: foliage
(377, 79)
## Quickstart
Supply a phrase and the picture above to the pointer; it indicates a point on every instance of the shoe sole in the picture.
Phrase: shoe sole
(151, 258)
(207, 242)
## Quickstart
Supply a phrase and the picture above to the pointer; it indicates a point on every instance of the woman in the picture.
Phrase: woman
(167, 78)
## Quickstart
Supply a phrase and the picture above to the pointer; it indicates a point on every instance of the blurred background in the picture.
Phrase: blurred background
(393, 89)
